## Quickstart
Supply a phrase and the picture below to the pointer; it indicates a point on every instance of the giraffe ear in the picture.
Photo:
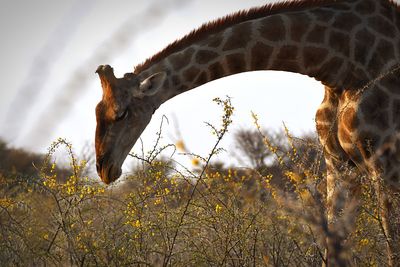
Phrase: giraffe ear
(152, 85)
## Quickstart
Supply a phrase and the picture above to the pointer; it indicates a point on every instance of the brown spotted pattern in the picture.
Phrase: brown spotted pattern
(348, 45)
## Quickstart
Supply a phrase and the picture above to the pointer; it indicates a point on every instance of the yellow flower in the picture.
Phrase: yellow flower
(364, 242)
(305, 195)
(295, 177)
(218, 208)
(100, 190)
(157, 201)
(166, 191)
(5, 202)
(180, 145)
(195, 162)
(137, 223)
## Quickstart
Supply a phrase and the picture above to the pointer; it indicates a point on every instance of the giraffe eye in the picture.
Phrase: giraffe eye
(122, 116)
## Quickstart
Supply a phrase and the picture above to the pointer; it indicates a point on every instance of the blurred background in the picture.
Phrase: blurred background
(51, 49)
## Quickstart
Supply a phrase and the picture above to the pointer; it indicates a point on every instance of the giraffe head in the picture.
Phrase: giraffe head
(123, 113)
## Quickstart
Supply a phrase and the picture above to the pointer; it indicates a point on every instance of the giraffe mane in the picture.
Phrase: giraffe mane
(225, 22)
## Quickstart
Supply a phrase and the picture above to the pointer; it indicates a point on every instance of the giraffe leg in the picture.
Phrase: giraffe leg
(331, 189)
(327, 128)
(389, 212)
(375, 126)
(343, 201)
(384, 169)
(387, 187)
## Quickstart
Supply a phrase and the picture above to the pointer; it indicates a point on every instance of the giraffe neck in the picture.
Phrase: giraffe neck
(343, 44)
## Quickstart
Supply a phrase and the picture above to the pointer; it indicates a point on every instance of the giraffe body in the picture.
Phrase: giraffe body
(351, 46)
(366, 126)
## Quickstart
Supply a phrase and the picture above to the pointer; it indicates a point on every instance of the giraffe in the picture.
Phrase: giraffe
(350, 46)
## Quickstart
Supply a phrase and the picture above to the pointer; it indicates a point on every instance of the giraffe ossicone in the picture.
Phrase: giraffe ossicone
(351, 46)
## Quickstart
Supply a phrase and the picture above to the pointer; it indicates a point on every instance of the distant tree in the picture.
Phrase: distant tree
(250, 147)
(18, 161)
(275, 153)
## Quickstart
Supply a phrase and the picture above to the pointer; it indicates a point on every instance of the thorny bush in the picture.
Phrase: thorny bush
(162, 214)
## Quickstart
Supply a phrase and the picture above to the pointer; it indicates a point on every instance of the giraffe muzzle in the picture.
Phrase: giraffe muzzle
(108, 172)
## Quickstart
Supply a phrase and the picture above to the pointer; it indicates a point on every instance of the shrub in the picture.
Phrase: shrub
(269, 214)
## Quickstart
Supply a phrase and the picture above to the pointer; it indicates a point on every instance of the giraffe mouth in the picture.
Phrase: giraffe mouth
(113, 174)
(108, 173)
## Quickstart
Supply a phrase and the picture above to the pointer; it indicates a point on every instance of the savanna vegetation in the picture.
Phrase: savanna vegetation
(271, 213)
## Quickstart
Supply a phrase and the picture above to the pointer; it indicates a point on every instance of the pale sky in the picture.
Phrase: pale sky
(58, 44)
